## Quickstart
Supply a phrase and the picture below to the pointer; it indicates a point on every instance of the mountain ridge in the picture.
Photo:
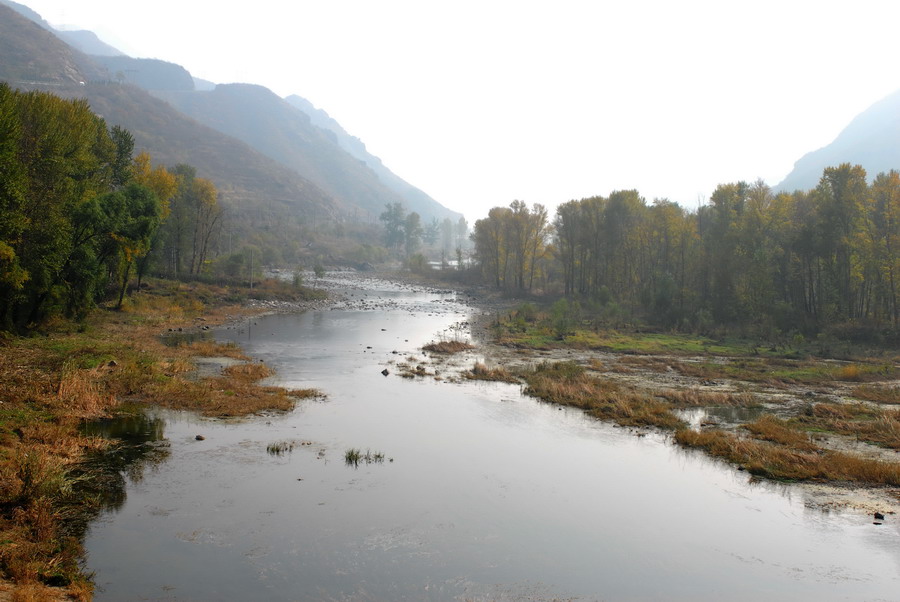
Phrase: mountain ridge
(871, 139)
(321, 153)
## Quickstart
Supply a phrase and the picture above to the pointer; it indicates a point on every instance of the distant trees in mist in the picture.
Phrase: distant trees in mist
(784, 262)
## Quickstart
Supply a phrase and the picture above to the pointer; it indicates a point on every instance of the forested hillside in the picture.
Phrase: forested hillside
(287, 188)
(290, 131)
(267, 206)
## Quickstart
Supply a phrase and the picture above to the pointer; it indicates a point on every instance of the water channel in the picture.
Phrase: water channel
(483, 494)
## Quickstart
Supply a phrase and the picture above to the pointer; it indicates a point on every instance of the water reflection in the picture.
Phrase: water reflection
(492, 495)
(138, 444)
(721, 415)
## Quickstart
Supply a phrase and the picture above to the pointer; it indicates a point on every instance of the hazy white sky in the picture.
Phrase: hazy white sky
(482, 102)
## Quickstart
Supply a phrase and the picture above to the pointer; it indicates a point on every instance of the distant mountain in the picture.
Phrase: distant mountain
(88, 43)
(251, 143)
(414, 198)
(244, 177)
(872, 140)
(82, 40)
(202, 84)
(277, 129)
(31, 54)
(150, 74)
(27, 13)
(32, 58)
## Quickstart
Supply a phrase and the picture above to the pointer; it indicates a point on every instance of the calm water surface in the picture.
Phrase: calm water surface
(483, 494)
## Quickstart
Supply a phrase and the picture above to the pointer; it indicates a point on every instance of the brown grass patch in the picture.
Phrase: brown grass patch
(850, 373)
(696, 397)
(770, 428)
(448, 347)
(879, 426)
(37, 592)
(878, 393)
(778, 462)
(233, 394)
(250, 372)
(642, 361)
(498, 373)
(81, 392)
(567, 384)
(215, 349)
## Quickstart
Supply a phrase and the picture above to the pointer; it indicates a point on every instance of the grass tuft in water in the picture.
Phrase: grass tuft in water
(353, 457)
(498, 373)
(448, 347)
(279, 448)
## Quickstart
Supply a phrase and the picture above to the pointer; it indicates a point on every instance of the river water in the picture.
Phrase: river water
(482, 494)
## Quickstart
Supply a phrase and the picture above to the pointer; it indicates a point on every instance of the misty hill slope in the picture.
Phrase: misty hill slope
(32, 58)
(150, 74)
(82, 40)
(281, 131)
(872, 140)
(87, 42)
(32, 55)
(260, 118)
(414, 198)
(283, 155)
(243, 175)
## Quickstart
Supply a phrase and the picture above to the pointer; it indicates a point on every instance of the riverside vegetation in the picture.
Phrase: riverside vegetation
(815, 418)
(66, 373)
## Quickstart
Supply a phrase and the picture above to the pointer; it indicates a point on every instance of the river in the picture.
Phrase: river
(482, 493)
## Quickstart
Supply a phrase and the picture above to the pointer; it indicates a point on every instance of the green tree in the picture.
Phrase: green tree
(140, 218)
(412, 233)
(432, 232)
(394, 218)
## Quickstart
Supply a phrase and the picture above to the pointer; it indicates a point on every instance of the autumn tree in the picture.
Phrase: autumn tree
(164, 185)
(71, 216)
(510, 243)
(194, 220)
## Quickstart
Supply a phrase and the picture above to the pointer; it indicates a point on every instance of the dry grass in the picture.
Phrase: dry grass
(567, 384)
(597, 365)
(879, 426)
(645, 362)
(81, 392)
(49, 383)
(235, 393)
(850, 373)
(448, 347)
(696, 397)
(498, 373)
(770, 428)
(878, 393)
(250, 372)
(779, 462)
(37, 592)
(215, 349)
(35, 482)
